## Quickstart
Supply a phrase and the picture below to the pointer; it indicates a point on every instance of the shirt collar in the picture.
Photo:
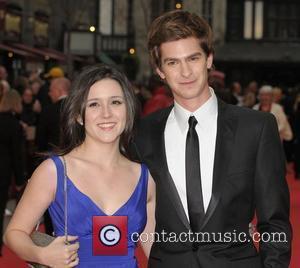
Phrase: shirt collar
(204, 114)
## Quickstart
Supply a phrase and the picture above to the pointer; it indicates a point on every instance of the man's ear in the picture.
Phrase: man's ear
(209, 61)
(160, 73)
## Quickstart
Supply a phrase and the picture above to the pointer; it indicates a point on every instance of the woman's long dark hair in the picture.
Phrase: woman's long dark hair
(73, 133)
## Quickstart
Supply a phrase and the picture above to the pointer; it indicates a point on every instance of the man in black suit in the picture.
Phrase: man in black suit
(49, 122)
(48, 132)
(215, 165)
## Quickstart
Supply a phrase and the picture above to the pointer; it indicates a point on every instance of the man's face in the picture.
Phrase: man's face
(54, 92)
(184, 66)
(265, 98)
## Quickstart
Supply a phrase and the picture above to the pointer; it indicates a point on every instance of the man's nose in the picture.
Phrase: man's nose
(185, 69)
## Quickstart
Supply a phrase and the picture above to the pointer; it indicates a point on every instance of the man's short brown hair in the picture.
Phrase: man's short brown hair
(175, 25)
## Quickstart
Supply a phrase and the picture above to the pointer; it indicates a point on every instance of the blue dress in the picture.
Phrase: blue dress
(81, 209)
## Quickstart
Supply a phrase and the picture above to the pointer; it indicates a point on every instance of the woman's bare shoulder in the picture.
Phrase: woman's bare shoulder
(133, 166)
(46, 171)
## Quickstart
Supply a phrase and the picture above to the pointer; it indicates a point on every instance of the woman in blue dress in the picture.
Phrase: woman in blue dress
(102, 181)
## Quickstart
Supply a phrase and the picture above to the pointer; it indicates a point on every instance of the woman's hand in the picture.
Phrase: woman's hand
(57, 254)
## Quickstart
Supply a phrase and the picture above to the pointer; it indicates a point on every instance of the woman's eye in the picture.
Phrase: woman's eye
(93, 104)
(116, 102)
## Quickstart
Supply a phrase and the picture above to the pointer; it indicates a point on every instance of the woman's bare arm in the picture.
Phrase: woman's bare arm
(38, 195)
(150, 226)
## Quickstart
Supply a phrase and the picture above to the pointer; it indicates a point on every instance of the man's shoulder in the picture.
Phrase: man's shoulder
(161, 114)
(150, 124)
(55, 108)
(247, 115)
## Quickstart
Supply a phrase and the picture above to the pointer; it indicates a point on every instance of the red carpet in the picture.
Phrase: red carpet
(294, 186)
(9, 260)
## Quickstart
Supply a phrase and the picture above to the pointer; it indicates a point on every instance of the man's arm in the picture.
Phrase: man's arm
(272, 198)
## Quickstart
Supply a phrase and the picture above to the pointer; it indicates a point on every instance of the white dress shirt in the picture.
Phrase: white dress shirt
(175, 141)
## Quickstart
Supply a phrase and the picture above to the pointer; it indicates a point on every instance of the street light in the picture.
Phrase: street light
(178, 5)
(131, 51)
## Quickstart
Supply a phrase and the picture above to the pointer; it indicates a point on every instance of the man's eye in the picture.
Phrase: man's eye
(194, 58)
(171, 63)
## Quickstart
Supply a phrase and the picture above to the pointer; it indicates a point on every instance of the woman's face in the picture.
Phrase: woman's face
(105, 113)
(27, 96)
(35, 87)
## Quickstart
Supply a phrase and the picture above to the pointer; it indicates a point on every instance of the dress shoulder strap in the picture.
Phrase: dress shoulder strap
(60, 172)
(145, 175)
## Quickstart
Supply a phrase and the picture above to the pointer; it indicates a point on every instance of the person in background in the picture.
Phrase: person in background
(296, 128)
(160, 98)
(277, 95)
(3, 79)
(29, 119)
(252, 87)
(31, 107)
(98, 118)
(1, 90)
(5, 85)
(249, 100)
(21, 83)
(35, 86)
(266, 104)
(286, 102)
(11, 151)
(3, 73)
(48, 131)
(142, 94)
(43, 94)
(236, 90)
(49, 126)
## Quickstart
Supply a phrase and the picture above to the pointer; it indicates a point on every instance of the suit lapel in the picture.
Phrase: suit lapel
(226, 129)
(162, 168)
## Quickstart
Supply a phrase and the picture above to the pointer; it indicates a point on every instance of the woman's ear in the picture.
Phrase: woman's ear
(79, 120)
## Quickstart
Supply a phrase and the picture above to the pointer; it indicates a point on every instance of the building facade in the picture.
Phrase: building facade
(254, 39)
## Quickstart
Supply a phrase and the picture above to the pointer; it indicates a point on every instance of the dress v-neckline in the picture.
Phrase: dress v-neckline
(98, 207)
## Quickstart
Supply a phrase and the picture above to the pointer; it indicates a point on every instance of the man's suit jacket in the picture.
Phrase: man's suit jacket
(48, 132)
(11, 150)
(248, 178)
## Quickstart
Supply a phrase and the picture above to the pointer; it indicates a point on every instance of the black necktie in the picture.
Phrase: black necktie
(193, 177)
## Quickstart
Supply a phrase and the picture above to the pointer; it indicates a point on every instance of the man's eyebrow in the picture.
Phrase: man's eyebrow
(170, 59)
(194, 54)
(187, 57)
